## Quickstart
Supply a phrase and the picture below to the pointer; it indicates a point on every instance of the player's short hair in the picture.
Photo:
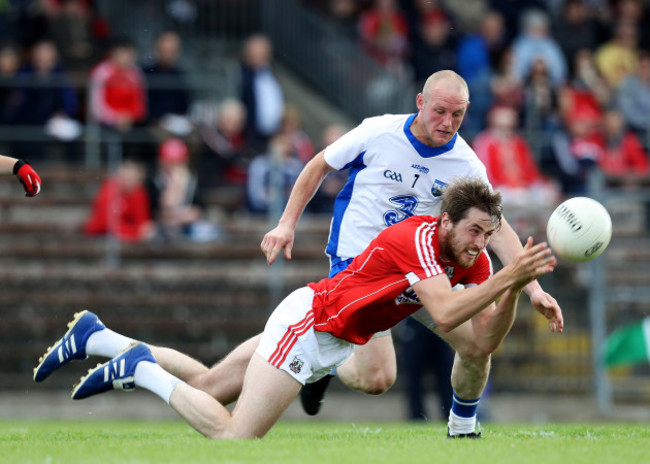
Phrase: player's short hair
(466, 193)
(451, 78)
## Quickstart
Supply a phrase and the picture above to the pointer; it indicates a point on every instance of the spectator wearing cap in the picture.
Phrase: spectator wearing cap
(176, 200)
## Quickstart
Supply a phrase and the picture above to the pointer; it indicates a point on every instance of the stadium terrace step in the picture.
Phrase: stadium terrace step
(96, 250)
(169, 275)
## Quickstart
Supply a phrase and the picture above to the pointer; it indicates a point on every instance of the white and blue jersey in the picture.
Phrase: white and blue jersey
(392, 176)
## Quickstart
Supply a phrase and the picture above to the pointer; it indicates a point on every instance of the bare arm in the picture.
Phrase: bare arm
(491, 325)
(7, 165)
(450, 309)
(26, 175)
(304, 189)
(506, 246)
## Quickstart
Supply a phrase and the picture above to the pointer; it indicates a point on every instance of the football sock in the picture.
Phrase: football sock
(462, 418)
(106, 343)
(154, 378)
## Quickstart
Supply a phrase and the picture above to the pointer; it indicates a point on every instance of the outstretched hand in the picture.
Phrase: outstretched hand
(275, 240)
(548, 307)
(532, 262)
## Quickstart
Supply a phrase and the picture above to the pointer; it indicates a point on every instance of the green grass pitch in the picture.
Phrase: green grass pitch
(133, 442)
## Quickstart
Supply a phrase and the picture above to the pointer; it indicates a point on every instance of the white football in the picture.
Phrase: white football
(579, 229)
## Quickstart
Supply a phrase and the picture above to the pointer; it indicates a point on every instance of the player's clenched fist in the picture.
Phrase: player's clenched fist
(28, 177)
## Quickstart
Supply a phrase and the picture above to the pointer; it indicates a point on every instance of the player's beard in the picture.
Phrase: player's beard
(455, 252)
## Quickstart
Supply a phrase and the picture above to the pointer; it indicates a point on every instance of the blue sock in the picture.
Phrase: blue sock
(462, 418)
(333, 372)
(464, 408)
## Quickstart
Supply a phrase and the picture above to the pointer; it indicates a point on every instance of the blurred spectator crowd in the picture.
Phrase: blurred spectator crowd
(575, 72)
(558, 88)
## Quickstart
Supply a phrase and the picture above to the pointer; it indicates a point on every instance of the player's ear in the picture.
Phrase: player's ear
(445, 221)
(419, 101)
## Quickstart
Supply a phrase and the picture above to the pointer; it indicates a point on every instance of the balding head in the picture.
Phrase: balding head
(448, 82)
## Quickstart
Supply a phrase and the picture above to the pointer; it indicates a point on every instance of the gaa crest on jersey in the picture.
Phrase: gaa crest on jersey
(438, 188)
(449, 270)
(296, 365)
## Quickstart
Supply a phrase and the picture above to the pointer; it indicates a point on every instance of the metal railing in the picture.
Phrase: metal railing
(607, 302)
(311, 47)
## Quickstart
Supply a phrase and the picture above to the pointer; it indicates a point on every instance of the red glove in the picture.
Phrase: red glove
(28, 177)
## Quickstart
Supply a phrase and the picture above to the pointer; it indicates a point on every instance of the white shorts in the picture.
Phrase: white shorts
(290, 343)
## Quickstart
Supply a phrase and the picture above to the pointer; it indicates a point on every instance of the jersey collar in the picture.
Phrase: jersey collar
(426, 151)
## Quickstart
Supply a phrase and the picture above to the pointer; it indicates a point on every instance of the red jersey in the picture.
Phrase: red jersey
(508, 160)
(132, 211)
(117, 92)
(373, 293)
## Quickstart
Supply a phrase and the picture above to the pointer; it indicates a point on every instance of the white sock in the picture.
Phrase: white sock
(459, 424)
(106, 343)
(155, 379)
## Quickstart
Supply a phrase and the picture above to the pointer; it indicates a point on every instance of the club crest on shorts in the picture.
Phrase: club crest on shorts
(438, 188)
(296, 365)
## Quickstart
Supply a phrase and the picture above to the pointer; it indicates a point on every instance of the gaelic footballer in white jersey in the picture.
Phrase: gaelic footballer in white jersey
(384, 156)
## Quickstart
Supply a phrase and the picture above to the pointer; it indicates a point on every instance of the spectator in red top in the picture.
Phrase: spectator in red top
(122, 207)
(118, 89)
(510, 163)
(385, 34)
(623, 153)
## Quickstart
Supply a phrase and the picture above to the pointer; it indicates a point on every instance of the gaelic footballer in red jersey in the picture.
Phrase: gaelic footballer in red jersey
(315, 328)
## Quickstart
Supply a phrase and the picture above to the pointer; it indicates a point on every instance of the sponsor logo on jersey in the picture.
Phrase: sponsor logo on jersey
(438, 188)
(449, 270)
(296, 365)
(422, 169)
(408, 296)
(405, 207)
(393, 175)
